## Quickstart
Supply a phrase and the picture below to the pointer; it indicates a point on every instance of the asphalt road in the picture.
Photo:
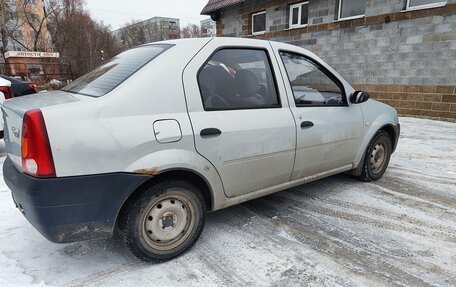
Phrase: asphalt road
(398, 231)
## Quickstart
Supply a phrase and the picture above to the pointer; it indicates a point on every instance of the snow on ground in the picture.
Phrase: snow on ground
(400, 230)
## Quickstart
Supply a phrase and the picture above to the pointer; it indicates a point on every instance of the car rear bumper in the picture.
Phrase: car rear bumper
(73, 208)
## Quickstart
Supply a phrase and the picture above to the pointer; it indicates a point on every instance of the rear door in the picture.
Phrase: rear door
(328, 128)
(240, 115)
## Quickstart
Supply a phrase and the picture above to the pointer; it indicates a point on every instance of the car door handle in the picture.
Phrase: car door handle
(210, 132)
(307, 124)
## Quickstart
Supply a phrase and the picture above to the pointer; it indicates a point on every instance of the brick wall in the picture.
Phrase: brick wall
(51, 69)
(418, 100)
(386, 48)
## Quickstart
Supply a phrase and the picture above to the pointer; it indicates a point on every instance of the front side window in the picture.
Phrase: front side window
(238, 79)
(351, 8)
(310, 84)
(105, 78)
(259, 23)
(299, 14)
(417, 4)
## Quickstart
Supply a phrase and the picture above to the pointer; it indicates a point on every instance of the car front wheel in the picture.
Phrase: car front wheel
(164, 221)
(377, 157)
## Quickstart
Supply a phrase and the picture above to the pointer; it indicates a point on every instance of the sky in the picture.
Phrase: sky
(117, 13)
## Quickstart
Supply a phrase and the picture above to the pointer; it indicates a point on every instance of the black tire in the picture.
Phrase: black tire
(156, 214)
(372, 169)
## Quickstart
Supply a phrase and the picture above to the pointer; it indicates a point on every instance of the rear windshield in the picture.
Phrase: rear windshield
(105, 78)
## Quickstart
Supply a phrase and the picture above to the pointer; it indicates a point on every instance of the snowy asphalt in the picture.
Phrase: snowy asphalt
(398, 231)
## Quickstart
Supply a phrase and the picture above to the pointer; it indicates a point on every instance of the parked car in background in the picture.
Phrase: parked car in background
(5, 93)
(20, 87)
(163, 133)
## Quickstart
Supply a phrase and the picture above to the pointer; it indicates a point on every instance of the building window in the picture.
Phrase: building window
(259, 23)
(349, 9)
(35, 70)
(299, 14)
(422, 4)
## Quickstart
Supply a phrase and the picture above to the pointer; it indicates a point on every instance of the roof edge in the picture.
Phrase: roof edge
(215, 5)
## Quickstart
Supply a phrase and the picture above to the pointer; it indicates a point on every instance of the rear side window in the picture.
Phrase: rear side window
(105, 78)
(238, 79)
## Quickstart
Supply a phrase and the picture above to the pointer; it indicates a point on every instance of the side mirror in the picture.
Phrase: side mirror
(359, 97)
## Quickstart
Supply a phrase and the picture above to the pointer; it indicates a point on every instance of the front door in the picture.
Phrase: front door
(241, 123)
(328, 128)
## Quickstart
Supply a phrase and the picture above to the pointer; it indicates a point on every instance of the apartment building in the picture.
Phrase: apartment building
(147, 31)
(208, 28)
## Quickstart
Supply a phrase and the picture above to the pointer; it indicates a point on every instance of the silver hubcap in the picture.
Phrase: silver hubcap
(167, 223)
(378, 157)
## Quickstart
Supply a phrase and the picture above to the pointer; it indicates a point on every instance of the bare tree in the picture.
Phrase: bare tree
(191, 31)
(25, 17)
(4, 19)
(81, 41)
(9, 26)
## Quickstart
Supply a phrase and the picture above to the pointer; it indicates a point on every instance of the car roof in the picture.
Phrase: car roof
(224, 40)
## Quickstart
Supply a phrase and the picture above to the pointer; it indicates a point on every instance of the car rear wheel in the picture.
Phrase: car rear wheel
(165, 221)
(377, 157)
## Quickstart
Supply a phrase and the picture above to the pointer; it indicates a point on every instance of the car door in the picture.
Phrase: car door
(329, 129)
(240, 115)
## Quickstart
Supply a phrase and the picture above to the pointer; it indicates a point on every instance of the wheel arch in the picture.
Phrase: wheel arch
(389, 129)
(178, 173)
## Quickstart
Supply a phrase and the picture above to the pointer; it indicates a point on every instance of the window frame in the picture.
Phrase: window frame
(273, 75)
(290, 11)
(339, 13)
(425, 6)
(253, 23)
(325, 71)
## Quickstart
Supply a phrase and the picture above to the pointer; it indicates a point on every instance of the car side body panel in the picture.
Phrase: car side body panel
(256, 147)
(180, 159)
(376, 116)
(336, 132)
(102, 136)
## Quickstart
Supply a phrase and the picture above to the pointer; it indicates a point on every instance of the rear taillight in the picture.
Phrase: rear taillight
(32, 86)
(7, 92)
(35, 150)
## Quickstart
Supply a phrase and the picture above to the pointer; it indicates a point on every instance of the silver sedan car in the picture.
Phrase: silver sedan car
(162, 134)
